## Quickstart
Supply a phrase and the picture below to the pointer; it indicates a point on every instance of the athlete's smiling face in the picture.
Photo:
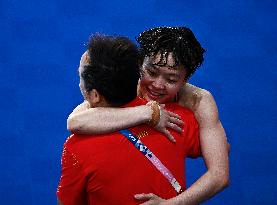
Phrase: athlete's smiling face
(161, 83)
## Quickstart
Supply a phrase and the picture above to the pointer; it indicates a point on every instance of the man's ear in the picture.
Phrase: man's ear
(94, 97)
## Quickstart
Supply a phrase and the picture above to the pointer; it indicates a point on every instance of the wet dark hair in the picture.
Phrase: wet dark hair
(113, 69)
(181, 41)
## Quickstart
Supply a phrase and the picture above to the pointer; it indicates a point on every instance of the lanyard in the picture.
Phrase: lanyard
(152, 158)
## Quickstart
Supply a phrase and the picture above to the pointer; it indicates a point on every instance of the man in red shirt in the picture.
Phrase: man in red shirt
(108, 168)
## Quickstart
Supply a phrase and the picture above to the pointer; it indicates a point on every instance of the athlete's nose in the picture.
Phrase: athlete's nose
(159, 83)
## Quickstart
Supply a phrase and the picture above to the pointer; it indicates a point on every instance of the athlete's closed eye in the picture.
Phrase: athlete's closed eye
(172, 81)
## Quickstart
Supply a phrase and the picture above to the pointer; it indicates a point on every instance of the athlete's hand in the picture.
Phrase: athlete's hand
(169, 120)
(150, 199)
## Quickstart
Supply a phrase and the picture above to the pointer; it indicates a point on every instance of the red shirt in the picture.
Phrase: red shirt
(108, 169)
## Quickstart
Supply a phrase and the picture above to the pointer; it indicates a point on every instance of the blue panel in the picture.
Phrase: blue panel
(41, 44)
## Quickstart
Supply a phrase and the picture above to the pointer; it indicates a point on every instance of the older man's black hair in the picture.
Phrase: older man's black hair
(113, 69)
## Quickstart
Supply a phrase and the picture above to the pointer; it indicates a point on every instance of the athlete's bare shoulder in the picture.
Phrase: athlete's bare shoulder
(196, 99)
(190, 96)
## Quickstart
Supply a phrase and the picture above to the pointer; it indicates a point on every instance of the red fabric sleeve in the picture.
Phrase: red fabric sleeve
(72, 186)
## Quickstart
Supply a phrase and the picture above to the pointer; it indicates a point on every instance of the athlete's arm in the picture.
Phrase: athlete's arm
(100, 120)
(214, 148)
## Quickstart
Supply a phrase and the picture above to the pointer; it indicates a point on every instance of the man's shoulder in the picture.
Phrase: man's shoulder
(75, 141)
(84, 139)
(85, 146)
(71, 141)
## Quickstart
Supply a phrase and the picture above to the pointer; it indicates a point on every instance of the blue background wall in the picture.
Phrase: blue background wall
(42, 41)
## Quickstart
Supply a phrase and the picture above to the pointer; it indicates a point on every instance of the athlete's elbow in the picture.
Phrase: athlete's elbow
(72, 124)
(222, 179)
(225, 182)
